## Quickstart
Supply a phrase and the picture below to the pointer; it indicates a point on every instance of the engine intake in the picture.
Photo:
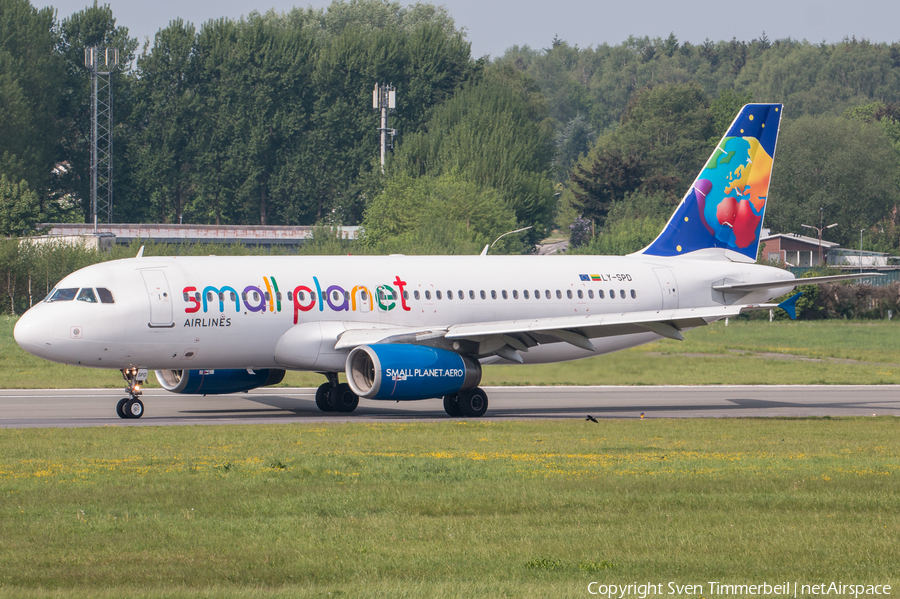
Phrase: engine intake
(407, 372)
(212, 382)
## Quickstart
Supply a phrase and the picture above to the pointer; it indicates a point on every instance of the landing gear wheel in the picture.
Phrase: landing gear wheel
(323, 398)
(131, 406)
(473, 403)
(344, 399)
(134, 408)
(451, 406)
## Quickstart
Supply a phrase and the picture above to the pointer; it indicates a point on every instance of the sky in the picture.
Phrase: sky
(492, 26)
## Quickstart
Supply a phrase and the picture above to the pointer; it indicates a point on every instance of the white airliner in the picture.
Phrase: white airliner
(419, 327)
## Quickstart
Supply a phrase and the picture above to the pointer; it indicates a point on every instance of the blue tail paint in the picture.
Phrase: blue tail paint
(725, 206)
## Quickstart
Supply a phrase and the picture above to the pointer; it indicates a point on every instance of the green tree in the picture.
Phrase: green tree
(492, 134)
(20, 208)
(31, 74)
(443, 215)
(846, 166)
(659, 147)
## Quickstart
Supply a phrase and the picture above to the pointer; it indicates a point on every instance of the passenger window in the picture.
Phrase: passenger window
(590, 294)
(569, 293)
(612, 294)
(105, 295)
(472, 294)
(64, 295)
(580, 294)
(87, 295)
(197, 296)
(365, 296)
(600, 294)
(515, 294)
(503, 293)
(622, 293)
(186, 296)
(483, 294)
(416, 294)
(428, 295)
(558, 294)
(277, 296)
(493, 294)
(221, 296)
(525, 294)
(405, 294)
(547, 293)
(437, 294)
(268, 297)
(537, 294)
(633, 294)
(449, 294)
(461, 294)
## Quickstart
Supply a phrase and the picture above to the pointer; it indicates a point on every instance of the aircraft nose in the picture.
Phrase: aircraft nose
(32, 334)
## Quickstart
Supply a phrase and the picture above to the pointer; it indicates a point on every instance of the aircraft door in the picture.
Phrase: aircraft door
(160, 299)
(668, 286)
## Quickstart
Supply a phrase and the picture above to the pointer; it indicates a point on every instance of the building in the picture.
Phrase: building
(266, 236)
(791, 249)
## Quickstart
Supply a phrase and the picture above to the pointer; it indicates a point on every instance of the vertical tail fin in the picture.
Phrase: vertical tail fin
(721, 215)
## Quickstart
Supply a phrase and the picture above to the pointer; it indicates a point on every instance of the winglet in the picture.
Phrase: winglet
(790, 305)
(140, 253)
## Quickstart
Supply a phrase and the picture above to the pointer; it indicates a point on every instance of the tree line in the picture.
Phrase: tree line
(268, 120)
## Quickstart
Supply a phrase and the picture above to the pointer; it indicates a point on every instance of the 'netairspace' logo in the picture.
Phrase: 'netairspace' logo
(790, 589)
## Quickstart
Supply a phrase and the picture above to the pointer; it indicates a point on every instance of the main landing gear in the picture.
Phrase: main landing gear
(472, 403)
(336, 397)
(131, 406)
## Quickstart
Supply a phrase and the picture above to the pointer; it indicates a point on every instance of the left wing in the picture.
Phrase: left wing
(506, 338)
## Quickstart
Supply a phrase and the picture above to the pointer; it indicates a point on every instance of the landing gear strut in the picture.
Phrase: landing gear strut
(131, 406)
(335, 397)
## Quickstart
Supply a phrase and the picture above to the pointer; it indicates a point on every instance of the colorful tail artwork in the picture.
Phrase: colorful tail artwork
(724, 208)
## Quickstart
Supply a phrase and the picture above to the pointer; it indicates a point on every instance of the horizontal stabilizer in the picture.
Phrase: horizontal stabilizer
(791, 282)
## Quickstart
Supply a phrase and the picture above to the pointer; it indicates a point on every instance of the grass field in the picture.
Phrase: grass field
(449, 509)
(756, 352)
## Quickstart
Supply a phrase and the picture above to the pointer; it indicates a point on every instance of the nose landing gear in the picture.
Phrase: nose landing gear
(131, 406)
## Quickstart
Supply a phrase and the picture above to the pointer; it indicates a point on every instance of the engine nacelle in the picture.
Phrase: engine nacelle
(212, 382)
(406, 372)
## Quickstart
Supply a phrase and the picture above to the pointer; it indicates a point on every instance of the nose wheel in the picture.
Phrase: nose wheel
(131, 406)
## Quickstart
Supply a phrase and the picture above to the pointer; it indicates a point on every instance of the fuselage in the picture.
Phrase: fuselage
(230, 312)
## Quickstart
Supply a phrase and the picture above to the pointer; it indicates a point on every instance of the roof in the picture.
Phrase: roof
(802, 239)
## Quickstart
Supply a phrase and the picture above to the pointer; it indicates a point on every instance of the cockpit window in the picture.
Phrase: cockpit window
(87, 295)
(105, 295)
(64, 295)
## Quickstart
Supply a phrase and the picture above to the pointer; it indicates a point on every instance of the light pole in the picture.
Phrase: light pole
(819, 231)
(860, 249)
(488, 247)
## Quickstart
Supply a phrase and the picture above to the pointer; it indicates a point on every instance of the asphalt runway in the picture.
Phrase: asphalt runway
(96, 407)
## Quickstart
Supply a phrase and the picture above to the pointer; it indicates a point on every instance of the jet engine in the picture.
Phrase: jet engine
(407, 372)
(211, 382)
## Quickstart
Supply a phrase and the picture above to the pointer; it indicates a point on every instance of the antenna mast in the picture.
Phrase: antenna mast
(101, 62)
(384, 97)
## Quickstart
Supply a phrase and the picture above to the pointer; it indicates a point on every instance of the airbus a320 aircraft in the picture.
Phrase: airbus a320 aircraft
(419, 327)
